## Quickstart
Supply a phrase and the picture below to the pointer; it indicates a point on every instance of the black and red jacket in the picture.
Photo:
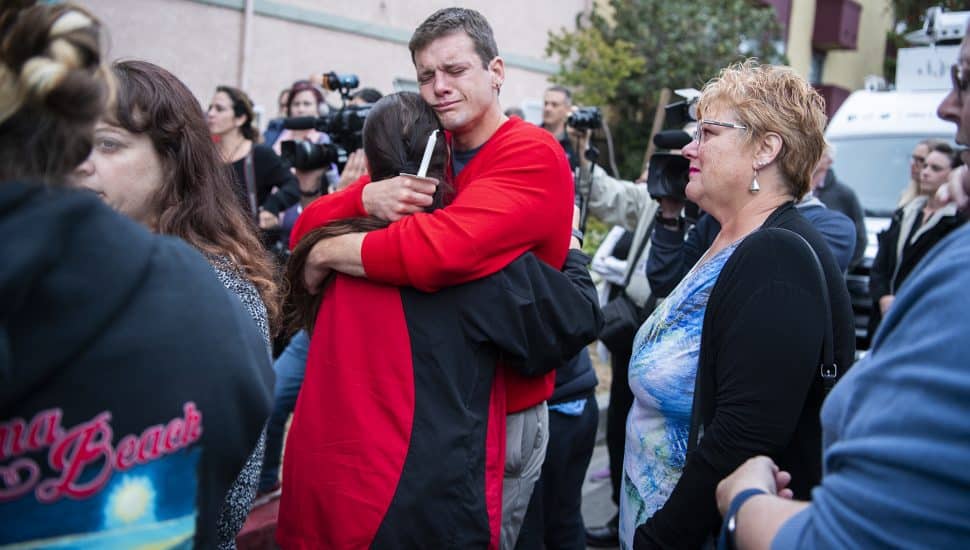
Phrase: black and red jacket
(398, 438)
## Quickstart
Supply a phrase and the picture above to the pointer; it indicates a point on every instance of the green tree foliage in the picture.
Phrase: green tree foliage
(622, 59)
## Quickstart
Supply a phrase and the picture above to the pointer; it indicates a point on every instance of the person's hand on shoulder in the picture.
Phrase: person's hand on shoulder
(394, 198)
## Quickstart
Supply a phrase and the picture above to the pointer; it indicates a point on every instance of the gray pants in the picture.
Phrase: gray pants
(526, 437)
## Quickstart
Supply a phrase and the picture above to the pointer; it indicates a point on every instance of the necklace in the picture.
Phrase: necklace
(235, 150)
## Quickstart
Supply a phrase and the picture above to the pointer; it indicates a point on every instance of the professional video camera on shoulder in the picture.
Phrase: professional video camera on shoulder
(667, 174)
(343, 126)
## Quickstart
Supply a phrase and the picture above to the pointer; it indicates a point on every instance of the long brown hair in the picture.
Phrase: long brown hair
(196, 200)
(53, 88)
(395, 134)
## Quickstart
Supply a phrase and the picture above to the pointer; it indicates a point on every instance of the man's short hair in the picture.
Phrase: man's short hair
(451, 20)
(564, 90)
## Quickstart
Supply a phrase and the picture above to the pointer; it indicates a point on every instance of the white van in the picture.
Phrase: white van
(874, 134)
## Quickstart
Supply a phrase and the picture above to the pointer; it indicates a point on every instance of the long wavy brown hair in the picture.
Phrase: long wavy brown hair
(196, 200)
(395, 135)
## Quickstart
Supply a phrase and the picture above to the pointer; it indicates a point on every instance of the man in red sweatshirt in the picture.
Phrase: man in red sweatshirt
(513, 193)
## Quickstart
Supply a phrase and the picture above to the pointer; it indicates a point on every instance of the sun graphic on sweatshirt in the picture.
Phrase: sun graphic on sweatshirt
(131, 501)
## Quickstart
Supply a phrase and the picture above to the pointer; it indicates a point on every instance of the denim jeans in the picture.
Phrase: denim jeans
(290, 367)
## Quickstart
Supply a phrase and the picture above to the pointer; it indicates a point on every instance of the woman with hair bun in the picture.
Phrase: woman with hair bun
(133, 387)
(264, 183)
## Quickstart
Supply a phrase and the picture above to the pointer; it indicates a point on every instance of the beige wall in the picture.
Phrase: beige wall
(201, 41)
(849, 68)
(800, 27)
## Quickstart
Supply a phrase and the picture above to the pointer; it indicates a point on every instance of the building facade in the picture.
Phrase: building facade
(835, 44)
(263, 46)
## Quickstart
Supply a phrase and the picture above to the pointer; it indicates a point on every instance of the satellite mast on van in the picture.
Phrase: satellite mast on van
(928, 67)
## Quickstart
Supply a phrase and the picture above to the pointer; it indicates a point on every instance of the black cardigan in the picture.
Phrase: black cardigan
(884, 277)
(759, 387)
(271, 172)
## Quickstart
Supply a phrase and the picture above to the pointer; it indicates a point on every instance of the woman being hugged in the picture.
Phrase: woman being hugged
(153, 161)
(728, 366)
(401, 417)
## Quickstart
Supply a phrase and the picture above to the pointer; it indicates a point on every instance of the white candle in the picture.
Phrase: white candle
(428, 150)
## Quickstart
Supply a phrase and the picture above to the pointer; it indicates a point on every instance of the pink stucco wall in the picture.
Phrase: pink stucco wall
(202, 43)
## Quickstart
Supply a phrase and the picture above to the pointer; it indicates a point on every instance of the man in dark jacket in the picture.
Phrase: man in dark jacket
(841, 198)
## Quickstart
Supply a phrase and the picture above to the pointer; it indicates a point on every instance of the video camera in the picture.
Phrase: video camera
(667, 175)
(344, 128)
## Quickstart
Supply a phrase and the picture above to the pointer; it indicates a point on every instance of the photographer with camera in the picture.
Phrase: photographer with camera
(310, 142)
(265, 185)
(306, 145)
(306, 100)
(557, 104)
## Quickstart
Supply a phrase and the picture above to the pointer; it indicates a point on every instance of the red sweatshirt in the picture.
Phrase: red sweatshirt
(513, 197)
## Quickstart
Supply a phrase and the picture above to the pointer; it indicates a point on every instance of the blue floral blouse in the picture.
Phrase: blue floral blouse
(663, 367)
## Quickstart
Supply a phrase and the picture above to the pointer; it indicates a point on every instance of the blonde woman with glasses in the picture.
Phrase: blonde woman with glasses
(728, 365)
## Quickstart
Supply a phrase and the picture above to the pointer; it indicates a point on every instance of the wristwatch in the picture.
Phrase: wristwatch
(579, 236)
(727, 539)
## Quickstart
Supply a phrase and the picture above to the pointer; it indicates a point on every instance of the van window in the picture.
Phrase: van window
(876, 168)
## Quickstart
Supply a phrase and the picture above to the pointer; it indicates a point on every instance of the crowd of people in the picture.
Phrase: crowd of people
(428, 312)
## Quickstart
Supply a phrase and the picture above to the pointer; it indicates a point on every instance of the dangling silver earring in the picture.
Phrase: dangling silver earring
(754, 188)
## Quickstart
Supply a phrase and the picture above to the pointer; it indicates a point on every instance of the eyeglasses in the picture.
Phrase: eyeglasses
(961, 79)
(699, 133)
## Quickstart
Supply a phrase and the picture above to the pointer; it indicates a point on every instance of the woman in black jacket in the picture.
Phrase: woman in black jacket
(914, 230)
(265, 184)
(728, 365)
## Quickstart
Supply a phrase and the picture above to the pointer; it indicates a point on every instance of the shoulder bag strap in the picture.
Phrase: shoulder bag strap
(249, 171)
(828, 368)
